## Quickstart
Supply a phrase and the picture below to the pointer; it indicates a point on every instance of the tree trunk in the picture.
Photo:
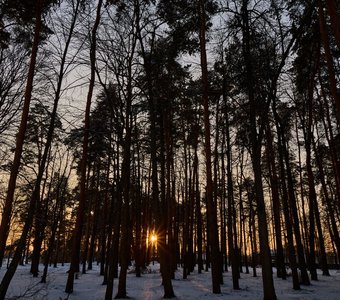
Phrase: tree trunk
(332, 222)
(126, 173)
(289, 220)
(267, 278)
(281, 270)
(113, 247)
(8, 206)
(198, 213)
(328, 54)
(252, 235)
(211, 206)
(58, 209)
(327, 123)
(232, 234)
(77, 234)
(166, 276)
(294, 212)
(334, 17)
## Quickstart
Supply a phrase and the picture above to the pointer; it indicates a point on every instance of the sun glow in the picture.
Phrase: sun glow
(153, 238)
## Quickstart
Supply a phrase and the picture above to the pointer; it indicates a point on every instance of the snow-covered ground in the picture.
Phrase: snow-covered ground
(148, 287)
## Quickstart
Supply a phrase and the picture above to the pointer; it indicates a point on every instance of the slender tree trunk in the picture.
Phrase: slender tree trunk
(186, 210)
(286, 209)
(308, 134)
(90, 255)
(223, 208)
(167, 119)
(312, 200)
(165, 267)
(281, 270)
(106, 220)
(126, 173)
(40, 220)
(216, 181)
(113, 247)
(211, 206)
(77, 234)
(252, 234)
(198, 213)
(294, 211)
(301, 209)
(267, 278)
(59, 208)
(332, 222)
(243, 216)
(232, 234)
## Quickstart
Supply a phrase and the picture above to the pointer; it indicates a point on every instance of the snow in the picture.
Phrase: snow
(148, 287)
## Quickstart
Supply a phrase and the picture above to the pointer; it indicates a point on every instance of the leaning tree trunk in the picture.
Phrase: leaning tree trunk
(8, 206)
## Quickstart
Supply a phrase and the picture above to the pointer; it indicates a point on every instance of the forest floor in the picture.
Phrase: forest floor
(148, 287)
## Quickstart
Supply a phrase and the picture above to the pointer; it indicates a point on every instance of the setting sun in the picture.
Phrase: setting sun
(153, 238)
